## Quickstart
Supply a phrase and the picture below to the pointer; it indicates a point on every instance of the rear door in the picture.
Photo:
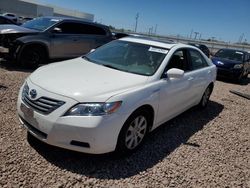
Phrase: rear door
(198, 75)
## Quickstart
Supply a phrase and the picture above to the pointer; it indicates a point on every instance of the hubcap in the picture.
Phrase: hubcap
(136, 132)
(33, 57)
(205, 97)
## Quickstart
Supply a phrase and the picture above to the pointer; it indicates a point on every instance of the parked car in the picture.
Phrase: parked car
(4, 20)
(232, 63)
(48, 38)
(25, 19)
(202, 47)
(11, 16)
(112, 97)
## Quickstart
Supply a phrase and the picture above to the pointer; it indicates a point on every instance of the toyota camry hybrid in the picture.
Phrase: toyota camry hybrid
(111, 98)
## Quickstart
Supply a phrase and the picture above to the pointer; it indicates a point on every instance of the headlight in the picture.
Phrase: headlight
(25, 90)
(238, 66)
(93, 109)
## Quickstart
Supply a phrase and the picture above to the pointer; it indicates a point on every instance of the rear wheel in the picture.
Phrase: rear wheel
(32, 56)
(133, 132)
(205, 97)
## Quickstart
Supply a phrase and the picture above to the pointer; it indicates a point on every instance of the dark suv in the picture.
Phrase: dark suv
(232, 63)
(47, 38)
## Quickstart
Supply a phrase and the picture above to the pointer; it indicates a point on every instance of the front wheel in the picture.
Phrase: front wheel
(133, 132)
(32, 56)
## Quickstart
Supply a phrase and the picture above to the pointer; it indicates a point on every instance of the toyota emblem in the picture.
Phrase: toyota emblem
(33, 93)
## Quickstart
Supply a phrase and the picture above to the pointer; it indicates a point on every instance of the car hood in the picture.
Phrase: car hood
(85, 81)
(8, 29)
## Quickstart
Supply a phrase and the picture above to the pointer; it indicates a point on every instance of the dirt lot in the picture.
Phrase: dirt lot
(209, 148)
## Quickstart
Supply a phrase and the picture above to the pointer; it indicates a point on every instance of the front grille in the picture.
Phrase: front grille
(42, 105)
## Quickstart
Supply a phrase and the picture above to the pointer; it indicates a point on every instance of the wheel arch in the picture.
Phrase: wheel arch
(211, 85)
(149, 109)
(29, 44)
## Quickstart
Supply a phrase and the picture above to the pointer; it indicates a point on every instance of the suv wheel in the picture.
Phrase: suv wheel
(32, 56)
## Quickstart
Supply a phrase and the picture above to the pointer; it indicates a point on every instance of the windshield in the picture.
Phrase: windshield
(40, 24)
(129, 57)
(230, 54)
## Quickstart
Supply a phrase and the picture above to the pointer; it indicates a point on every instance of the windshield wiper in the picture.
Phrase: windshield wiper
(110, 66)
(85, 57)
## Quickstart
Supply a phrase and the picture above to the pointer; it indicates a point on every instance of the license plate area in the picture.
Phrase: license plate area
(28, 112)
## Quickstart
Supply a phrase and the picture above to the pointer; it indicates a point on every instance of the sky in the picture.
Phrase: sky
(225, 20)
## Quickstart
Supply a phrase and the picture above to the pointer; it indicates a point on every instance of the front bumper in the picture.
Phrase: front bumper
(229, 73)
(4, 50)
(89, 134)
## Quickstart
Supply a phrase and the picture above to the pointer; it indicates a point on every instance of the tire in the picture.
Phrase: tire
(133, 133)
(205, 97)
(32, 56)
(245, 76)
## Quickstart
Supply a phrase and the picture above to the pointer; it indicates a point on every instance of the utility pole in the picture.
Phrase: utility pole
(241, 37)
(155, 28)
(191, 34)
(136, 21)
(196, 33)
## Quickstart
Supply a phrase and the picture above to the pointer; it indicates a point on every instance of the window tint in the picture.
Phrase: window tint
(79, 28)
(197, 60)
(179, 61)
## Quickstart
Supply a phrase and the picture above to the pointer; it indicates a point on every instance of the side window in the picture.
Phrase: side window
(179, 61)
(69, 28)
(92, 30)
(79, 28)
(197, 61)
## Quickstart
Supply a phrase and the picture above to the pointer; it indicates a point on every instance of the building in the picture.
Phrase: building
(29, 8)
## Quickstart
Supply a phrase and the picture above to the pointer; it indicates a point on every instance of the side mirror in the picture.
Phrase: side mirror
(92, 50)
(57, 30)
(174, 73)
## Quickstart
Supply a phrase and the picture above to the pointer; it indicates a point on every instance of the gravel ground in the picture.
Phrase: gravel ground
(209, 148)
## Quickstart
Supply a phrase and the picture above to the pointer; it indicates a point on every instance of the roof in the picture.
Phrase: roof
(150, 41)
(72, 19)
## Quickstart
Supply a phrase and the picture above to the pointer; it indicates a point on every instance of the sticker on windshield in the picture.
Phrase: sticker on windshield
(158, 50)
(239, 53)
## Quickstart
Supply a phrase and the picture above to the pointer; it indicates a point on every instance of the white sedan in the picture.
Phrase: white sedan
(111, 98)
